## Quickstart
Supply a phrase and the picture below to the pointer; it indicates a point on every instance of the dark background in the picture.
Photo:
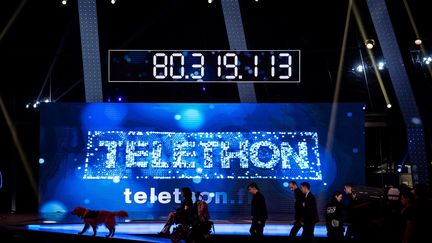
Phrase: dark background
(45, 36)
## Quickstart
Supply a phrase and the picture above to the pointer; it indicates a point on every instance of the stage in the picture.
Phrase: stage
(124, 230)
(26, 228)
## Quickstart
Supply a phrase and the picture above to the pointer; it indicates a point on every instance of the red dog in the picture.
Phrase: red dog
(94, 218)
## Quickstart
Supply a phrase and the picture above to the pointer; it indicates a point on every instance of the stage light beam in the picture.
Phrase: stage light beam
(369, 51)
(332, 125)
(418, 39)
(64, 2)
(113, 1)
(19, 147)
(12, 19)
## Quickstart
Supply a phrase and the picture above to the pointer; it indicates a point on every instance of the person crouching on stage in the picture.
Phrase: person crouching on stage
(183, 213)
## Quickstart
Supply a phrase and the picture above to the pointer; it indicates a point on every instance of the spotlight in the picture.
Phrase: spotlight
(369, 43)
(418, 42)
(27, 106)
(46, 100)
(359, 68)
(399, 170)
(119, 99)
(34, 105)
(381, 65)
(64, 2)
(113, 1)
(427, 60)
(389, 105)
(210, 1)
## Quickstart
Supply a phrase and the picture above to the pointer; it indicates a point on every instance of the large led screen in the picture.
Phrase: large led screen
(137, 157)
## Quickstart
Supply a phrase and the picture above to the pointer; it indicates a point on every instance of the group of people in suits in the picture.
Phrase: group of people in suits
(306, 211)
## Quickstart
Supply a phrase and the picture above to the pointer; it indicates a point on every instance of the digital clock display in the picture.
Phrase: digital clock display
(281, 66)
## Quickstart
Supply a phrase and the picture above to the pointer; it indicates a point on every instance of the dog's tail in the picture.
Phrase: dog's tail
(121, 214)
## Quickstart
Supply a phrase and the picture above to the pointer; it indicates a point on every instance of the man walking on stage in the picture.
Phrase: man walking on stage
(258, 211)
(309, 213)
(299, 196)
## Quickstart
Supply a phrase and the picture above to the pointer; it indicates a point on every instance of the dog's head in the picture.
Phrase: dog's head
(79, 211)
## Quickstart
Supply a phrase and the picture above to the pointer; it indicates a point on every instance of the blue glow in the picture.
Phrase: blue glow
(197, 180)
(86, 201)
(115, 113)
(355, 150)
(116, 179)
(123, 229)
(41, 161)
(416, 120)
(329, 165)
(285, 184)
(127, 59)
(192, 119)
(54, 210)
(105, 115)
(177, 117)
(349, 114)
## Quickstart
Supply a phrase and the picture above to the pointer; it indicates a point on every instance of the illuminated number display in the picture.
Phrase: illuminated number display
(282, 66)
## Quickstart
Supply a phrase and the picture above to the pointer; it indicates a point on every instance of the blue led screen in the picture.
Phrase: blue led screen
(137, 157)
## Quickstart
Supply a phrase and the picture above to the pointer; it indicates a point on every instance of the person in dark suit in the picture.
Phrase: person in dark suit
(334, 218)
(299, 196)
(258, 211)
(310, 212)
